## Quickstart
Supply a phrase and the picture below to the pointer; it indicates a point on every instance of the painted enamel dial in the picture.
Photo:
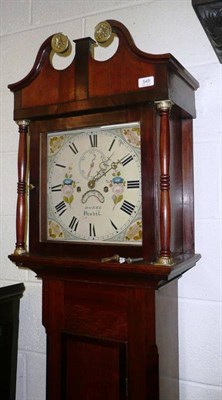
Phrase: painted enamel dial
(94, 185)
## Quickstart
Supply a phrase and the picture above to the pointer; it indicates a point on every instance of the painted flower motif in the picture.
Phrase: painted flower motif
(117, 184)
(132, 135)
(55, 143)
(134, 232)
(67, 181)
(55, 231)
(67, 190)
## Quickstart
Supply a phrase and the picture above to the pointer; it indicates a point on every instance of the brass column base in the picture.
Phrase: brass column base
(19, 251)
(168, 261)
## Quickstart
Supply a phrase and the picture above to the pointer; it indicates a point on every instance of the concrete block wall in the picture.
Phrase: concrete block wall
(157, 26)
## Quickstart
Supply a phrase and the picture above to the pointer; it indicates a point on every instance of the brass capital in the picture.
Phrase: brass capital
(24, 122)
(164, 105)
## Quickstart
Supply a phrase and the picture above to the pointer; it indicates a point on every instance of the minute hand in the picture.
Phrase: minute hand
(114, 164)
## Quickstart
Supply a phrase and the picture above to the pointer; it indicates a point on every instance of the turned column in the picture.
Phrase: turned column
(165, 257)
(21, 189)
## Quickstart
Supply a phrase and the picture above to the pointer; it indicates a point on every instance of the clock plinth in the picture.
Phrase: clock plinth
(106, 153)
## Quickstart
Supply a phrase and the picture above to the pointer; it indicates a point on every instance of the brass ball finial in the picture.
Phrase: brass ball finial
(59, 43)
(103, 32)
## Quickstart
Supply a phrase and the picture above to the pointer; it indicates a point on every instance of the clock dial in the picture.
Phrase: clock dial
(94, 185)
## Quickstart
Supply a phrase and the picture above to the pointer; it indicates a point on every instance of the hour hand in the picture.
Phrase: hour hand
(101, 173)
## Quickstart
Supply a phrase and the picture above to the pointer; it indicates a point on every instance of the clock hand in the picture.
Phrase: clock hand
(91, 165)
(103, 165)
(101, 173)
(113, 166)
(92, 182)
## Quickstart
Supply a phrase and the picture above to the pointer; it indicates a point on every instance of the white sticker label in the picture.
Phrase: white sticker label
(147, 81)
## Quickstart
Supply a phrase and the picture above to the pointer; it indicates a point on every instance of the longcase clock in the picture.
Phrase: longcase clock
(105, 161)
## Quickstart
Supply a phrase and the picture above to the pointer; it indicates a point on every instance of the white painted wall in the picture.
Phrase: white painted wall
(157, 26)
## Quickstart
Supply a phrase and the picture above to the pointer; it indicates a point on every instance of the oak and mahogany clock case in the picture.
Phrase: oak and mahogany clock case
(105, 182)
(137, 190)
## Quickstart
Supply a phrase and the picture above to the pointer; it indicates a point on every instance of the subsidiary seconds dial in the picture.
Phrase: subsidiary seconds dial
(94, 185)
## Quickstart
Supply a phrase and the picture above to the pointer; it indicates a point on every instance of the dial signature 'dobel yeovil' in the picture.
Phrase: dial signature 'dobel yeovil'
(94, 185)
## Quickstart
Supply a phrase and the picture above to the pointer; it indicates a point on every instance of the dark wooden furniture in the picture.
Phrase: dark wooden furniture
(209, 13)
(100, 317)
(9, 325)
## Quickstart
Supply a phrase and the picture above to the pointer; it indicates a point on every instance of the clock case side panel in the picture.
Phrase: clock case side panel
(181, 184)
(176, 186)
(181, 188)
(145, 114)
